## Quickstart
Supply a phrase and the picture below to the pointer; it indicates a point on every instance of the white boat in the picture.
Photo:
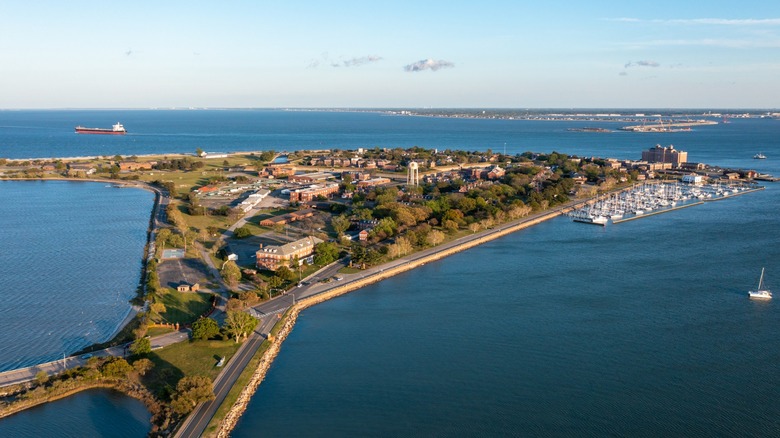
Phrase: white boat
(759, 156)
(590, 219)
(761, 292)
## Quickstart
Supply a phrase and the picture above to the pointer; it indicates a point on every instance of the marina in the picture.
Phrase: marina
(650, 199)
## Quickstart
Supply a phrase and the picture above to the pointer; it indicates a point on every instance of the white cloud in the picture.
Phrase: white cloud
(428, 64)
(351, 62)
(358, 61)
(641, 64)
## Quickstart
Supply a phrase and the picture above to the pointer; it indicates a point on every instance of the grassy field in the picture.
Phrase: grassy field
(156, 331)
(196, 358)
(184, 307)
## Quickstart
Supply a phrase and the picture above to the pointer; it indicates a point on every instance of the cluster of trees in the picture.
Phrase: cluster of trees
(185, 163)
(237, 325)
(423, 217)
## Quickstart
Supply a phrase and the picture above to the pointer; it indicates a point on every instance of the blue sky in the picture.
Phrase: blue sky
(512, 54)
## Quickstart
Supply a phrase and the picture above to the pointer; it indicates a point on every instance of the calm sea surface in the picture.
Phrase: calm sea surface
(94, 413)
(639, 329)
(71, 260)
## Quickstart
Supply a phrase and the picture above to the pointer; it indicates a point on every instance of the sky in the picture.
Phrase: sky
(391, 54)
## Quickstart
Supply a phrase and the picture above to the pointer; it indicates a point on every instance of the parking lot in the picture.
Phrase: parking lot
(174, 272)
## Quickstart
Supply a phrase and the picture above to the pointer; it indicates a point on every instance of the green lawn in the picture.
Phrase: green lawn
(184, 307)
(156, 331)
(197, 358)
(201, 222)
(348, 270)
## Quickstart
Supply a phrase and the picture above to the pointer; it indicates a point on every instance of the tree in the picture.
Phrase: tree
(231, 273)
(116, 367)
(190, 391)
(162, 236)
(340, 224)
(450, 225)
(285, 273)
(405, 245)
(435, 237)
(157, 307)
(141, 346)
(325, 253)
(142, 366)
(205, 328)
(239, 324)
(275, 282)
(41, 377)
(175, 217)
(474, 227)
(242, 232)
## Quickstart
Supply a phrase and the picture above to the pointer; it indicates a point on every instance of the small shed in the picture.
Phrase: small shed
(186, 287)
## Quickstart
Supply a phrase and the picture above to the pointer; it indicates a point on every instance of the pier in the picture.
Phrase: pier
(668, 127)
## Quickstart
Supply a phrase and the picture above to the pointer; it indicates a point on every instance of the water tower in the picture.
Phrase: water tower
(413, 175)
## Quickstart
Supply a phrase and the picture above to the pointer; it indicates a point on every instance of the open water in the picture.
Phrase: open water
(93, 413)
(639, 329)
(71, 260)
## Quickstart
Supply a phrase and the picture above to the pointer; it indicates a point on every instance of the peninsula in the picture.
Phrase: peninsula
(240, 243)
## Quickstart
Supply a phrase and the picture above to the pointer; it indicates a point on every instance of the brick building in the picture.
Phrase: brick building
(309, 193)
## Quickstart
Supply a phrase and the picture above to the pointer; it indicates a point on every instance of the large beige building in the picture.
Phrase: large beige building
(272, 256)
(660, 154)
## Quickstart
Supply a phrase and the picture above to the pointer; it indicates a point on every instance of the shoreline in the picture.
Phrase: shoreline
(415, 260)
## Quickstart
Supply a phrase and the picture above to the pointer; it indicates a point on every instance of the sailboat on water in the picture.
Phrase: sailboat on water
(761, 292)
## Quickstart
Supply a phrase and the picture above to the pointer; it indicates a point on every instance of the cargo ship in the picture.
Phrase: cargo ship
(117, 129)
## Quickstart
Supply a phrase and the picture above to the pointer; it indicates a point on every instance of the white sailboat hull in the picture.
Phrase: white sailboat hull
(760, 293)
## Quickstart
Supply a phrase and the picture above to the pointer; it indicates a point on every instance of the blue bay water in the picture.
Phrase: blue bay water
(94, 413)
(43, 134)
(563, 329)
(71, 260)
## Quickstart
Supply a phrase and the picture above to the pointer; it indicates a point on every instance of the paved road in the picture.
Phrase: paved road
(22, 375)
(196, 422)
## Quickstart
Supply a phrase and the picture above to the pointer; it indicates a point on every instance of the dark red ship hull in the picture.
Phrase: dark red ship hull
(83, 130)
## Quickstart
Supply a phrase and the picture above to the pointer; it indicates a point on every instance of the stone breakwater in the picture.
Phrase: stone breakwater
(288, 321)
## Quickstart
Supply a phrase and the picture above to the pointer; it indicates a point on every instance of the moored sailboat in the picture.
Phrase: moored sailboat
(761, 292)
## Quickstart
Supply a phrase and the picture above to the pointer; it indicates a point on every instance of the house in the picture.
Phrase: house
(186, 287)
(213, 155)
(495, 173)
(272, 257)
(287, 218)
(373, 182)
(363, 235)
(135, 165)
(366, 224)
(310, 178)
(81, 169)
(693, 179)
(279, 171)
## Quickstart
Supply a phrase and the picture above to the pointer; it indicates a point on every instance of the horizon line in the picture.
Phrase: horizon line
(380, 108)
